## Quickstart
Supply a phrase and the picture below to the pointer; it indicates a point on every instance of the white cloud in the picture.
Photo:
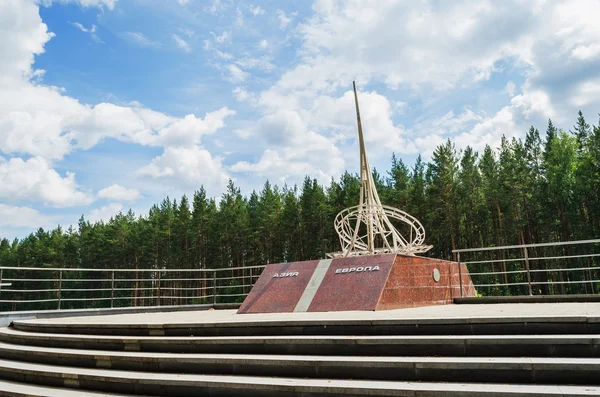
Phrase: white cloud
(91, 31)
(242, 95)
(183, 2)
(110, 4)
(35, 180)
(13, 216)
(188, 167)
(216, 6)
(509, 88)
(257, 10)
(585, 52)
(181, 43)
(236, 74)
(262, 63)
(190, 129)
(118, 192)
(224, 38)
(586, 92)
(263, 44)
(139, 39)
(284, 20)
(84, 29)
(104, 213)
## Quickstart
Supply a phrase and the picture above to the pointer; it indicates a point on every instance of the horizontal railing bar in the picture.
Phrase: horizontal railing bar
(498, 285)
(236, 277)
(84, 299)
(184, 289)
(565, 282)
(493, 261)
(30, 279)
(72, 269)
(560, 243)
(491, 273)
(183, 279)
(29, 300)
(233, 286)
(563, 257)
(565, 269)
(30, 290)
(133, 279)
(231, 295)
(223, 269)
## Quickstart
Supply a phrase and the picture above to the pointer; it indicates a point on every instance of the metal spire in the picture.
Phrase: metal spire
(366, 229)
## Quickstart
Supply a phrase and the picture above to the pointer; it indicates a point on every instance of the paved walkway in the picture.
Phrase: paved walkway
(515, 311)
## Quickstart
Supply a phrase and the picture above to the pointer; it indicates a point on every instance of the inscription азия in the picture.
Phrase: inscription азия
(289, 274)
(357, 269)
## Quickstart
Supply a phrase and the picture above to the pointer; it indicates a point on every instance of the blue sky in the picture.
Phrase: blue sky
(108, 105)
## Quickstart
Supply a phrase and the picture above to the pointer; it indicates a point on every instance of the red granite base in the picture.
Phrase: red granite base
(411, 283)
(279, 294)
(377, 282)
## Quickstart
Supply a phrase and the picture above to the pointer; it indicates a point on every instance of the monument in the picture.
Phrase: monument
(377, 268)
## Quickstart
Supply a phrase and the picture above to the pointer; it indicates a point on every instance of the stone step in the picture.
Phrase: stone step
(443, 369)
(160, 384)
(244, 325)
(15, 389)
(575, 346)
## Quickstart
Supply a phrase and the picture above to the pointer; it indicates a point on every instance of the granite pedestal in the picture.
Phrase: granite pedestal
(375, 282)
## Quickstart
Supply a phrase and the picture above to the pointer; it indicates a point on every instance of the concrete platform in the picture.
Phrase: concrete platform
(549, 318)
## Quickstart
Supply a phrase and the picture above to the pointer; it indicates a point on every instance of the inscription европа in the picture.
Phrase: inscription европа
(357, 269)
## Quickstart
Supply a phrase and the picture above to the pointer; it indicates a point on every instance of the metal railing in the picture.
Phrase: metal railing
(52, 288)
(569, 267)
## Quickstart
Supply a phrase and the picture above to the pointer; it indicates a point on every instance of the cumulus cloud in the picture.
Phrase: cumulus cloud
(15, 216)
(40, 124)
(235, 73)
(188, 167)
(257, 10)
(104, 213)
(118, 192)
(284, 20)
(34, 180)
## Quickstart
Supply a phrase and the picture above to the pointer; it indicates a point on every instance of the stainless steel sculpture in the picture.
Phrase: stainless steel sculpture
(367, 228)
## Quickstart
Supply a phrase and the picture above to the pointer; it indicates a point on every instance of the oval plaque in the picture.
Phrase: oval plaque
(436, 275)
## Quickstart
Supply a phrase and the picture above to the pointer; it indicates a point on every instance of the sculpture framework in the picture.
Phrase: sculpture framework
(367, 229)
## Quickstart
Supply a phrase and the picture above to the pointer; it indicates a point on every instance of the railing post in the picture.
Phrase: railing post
(527, 271)
(1, 270)
(214, 287)
(112, 290)
(159, 288)
(59, 287)
(460, 282)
